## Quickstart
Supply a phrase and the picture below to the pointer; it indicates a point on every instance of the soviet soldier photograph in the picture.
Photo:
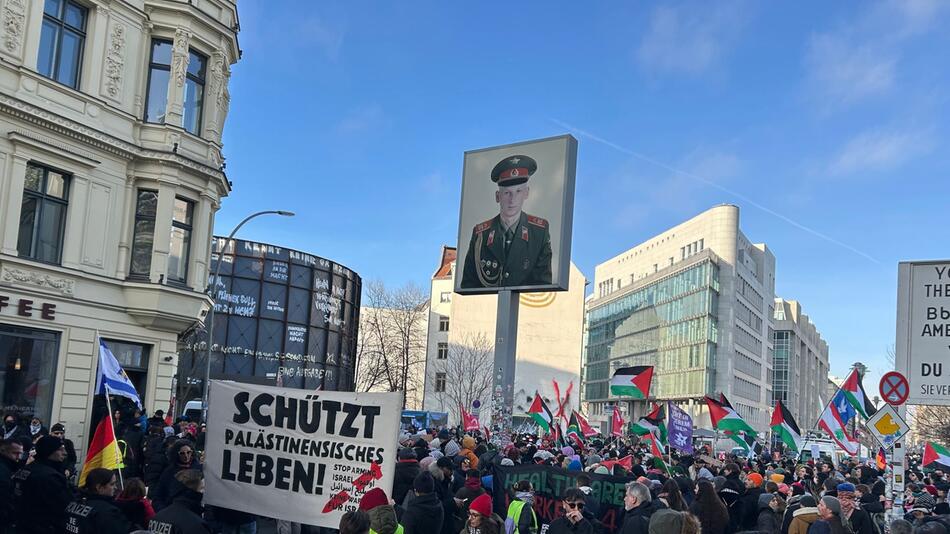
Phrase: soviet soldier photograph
(512, 248)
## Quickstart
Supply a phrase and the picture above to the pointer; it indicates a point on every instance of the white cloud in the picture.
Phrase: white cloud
(879, 150)
(691, 38)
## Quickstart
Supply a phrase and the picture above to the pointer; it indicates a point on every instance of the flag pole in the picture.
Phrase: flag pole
(109, 415)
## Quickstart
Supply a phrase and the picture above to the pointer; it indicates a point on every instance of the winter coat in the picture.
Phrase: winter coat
(563, 525)
(832, 526)
(468, 451)
(769, 521)
(871, 504)
(156, 459)
(137, 511)
(708, 523)
(423, 515)
(182, 516)
(490, 525)
(405, 473)
(7, 509)
(443, 490)
(95, 514)
(802, 520)
(860, 522)
(42, 494)
(168, 486)
(382, 519)
(750, 508)
(637, 520)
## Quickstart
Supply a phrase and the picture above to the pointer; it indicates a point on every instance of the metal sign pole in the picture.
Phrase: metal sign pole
(503, 370)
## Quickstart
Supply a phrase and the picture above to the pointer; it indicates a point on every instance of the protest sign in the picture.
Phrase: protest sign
(550, 483)
(298, 455)
(681, 429)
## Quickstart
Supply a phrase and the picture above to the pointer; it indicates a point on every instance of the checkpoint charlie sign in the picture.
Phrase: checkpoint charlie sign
(295, 454)
(923, 330)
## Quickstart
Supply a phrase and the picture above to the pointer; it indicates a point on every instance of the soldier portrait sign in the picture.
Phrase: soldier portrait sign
(516, 217)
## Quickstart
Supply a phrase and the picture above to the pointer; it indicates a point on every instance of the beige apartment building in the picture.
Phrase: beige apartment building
(694, 301)
(800, 363)
(460, 344)
(111, 114)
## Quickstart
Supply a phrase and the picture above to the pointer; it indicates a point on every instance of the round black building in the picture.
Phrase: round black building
(282, 317)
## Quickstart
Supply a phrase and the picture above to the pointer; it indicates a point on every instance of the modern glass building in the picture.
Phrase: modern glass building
(671, 324)
(696, 303)
(800, 365)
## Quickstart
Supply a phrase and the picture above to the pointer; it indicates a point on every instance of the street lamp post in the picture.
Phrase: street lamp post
(214, 303)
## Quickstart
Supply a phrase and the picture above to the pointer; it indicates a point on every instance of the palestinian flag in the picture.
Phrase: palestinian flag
(724, 417)
(103, 451)
(784, 426)
(854, 391)
(657, 453)
(747, 442)
(881, 460)
(652, 423)
(586, 430)
(540, 412)
(935, 453)
(616, 423)
(632, 381)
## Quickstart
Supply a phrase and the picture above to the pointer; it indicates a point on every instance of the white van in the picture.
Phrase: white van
(826, 451)
(192, 410)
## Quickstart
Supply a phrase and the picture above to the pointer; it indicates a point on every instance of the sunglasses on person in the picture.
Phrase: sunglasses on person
(575, 505)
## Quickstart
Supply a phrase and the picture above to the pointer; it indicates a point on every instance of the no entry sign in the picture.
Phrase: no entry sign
(894, 388)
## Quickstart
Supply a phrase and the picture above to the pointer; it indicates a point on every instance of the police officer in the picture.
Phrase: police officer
(41, 490)
(94, 512)
(513, 248)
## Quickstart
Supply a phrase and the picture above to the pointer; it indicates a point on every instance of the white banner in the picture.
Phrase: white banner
(298, 455)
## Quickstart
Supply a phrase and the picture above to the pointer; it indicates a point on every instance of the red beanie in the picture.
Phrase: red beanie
(482, 505)
(373, 498)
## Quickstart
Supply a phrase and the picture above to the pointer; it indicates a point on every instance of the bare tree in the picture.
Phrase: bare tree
(391, 346)
(465, 372)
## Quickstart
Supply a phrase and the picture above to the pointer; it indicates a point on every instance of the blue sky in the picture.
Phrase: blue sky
(825, 122)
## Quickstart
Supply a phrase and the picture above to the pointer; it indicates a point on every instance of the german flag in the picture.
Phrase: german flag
(103, 451)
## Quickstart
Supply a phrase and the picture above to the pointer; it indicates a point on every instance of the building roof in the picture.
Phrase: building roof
(444, 271)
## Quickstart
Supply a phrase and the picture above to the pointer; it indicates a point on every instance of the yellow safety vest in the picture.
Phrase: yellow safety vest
(398, 530)
(514, 512)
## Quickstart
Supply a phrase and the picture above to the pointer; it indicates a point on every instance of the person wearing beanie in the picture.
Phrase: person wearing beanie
(423, 514)
(69, 464)
(406, 470)
(804, 516)
(382, 515)
(858, 519)
(42, 490)
(451, 448)
(468, 450)
(829, 518)
(778, 478)
(750, 500)
(770, 513)
(923, 507)
(481, 520)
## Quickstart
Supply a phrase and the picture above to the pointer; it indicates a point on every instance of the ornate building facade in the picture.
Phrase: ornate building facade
(111, 171)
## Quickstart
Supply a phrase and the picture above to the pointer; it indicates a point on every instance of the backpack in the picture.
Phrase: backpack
(879, 523)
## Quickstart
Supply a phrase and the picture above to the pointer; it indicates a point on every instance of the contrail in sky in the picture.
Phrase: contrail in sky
(700, 179)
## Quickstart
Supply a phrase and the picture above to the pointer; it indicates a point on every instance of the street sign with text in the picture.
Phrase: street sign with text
(923, 330)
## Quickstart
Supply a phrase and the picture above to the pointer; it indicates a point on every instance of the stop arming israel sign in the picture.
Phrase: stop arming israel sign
(923, 330)
(295, 454)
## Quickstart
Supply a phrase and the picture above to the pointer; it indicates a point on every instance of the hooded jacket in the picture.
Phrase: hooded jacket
(405, 473)
(168, 486)
(768, 520)
(423, 515)
(468, 450)
(802, 519)
(637, 520)
(182, 516)
(382, 519)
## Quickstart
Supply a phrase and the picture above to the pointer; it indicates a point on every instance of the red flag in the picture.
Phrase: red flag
(616, 423)
(881, 460)
(586, 429)
(469, 421)
(626, 462)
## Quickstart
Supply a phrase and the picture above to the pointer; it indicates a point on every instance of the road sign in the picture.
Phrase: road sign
(923, 330)
(894, 388)
(887, 426)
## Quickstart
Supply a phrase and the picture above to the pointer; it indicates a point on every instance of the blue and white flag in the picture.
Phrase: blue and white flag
(111, 378)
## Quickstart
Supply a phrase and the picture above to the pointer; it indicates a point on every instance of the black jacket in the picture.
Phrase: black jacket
(750, 508)
(168, 486)
(406, 471)
(562, 525)
(95, 514)
(42, 494)
(637, 520)
(155, 459)
(7, 509)
(423, 515)
(182, 516)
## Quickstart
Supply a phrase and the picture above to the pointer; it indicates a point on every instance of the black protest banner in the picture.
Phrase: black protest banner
(298, 455)
(550, 483)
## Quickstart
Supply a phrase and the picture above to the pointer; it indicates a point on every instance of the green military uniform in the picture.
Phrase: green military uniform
(515, 256)
(521, 257)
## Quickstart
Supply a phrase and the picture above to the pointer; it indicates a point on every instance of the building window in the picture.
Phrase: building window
(180, 240)
(143, 234)
(440, 382)
(442, 352)
(29, 362)
(61, 41)
(43, 215)
(443, 324)
(446, 296)
(194, 92)
(159, 73)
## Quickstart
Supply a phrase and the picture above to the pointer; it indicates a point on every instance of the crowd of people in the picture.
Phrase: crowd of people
(444, 484)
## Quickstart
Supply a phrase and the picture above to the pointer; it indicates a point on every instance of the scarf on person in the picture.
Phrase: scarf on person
(846, 498)
(525, 496)
(34, 429)
(473, 483)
